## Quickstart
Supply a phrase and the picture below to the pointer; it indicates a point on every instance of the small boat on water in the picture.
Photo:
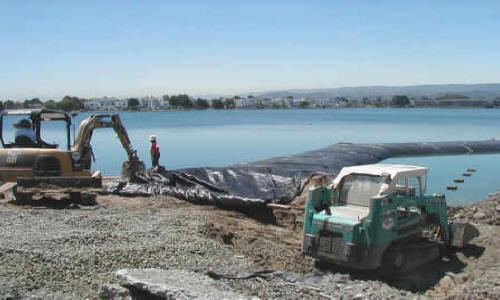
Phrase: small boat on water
(467, 174)
(452, 187)
(459, 180)
(471, 170)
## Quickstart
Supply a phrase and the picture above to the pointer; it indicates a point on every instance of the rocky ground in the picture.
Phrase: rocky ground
(76, 252)
(483, 212)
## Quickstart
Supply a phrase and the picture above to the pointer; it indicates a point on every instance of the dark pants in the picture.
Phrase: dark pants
(155, 159)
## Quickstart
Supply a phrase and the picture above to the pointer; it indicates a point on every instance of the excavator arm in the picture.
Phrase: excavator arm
(84, 136)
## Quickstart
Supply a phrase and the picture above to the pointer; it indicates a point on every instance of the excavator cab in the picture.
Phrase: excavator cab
(36, 118)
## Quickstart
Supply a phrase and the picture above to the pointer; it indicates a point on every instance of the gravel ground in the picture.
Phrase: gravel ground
(73, 253)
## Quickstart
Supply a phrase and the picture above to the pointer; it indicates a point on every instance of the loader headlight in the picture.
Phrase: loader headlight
(75, 156)
(308, 244)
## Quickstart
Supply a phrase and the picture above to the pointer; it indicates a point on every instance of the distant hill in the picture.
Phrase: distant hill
(486, 90)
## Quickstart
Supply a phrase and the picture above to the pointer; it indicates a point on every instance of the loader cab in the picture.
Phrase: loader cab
(36, 117)
(358, 185)
(355, 187)
(365, 209)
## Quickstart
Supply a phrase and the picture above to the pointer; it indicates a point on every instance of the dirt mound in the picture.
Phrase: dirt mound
(483, 212)
(268, 245)
(272, 238)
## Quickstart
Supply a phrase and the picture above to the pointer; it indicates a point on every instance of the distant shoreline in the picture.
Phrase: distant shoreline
(292, 108)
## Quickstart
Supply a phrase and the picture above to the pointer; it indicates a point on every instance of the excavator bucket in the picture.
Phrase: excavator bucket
(130, 169)
(462, 233)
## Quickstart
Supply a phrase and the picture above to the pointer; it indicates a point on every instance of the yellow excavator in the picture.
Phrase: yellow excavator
(34, 166)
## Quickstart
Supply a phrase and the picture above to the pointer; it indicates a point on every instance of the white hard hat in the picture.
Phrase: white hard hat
(152, 138)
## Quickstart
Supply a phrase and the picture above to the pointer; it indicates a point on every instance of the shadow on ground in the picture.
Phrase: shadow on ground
(52, 202)
(417, 280)
(262, 236)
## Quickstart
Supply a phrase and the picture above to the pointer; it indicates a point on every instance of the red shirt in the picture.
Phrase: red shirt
(155, 148)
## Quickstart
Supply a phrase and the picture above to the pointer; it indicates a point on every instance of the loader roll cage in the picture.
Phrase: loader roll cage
(37, 116)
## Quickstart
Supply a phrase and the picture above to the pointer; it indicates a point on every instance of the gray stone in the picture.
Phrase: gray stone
(113, 291)
(447, 283)
(174, 284)
(358, 297)
(479, 215)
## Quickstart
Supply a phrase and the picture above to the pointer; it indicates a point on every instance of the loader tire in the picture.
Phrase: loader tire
(23, 198)
(393, 262)
(75, 197)
(83, 198)
(88, 199)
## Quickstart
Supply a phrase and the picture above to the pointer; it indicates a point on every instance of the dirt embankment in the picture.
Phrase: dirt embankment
(275, 243)
(485, 212)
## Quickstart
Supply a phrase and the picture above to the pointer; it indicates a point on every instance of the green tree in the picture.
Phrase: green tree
(9, 104)
(276, 105)
(133, 104)
(365, 100)
(452, 96)
(33, 103)
(400, 101)
(50, 104)
(229, 103)
(259, 105)
(201, 103)
(1, 105)
(304, 104)
(69, 103)
(217, 104)
(180, 101)
(66, 105)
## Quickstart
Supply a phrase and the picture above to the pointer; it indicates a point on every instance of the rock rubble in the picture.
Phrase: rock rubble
(483, 212)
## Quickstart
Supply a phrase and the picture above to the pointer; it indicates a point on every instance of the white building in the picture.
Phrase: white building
(245, 103)
(154, 103)
(105, 103)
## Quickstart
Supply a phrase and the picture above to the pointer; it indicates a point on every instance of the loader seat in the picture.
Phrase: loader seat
(403, 190)
(353, 212)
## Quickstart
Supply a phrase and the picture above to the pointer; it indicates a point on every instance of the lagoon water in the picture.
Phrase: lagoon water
(224, 137)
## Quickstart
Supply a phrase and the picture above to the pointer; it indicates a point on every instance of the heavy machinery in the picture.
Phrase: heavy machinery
(39, 167)
(377, 217)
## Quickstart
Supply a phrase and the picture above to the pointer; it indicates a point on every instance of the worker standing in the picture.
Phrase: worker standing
(155, 151)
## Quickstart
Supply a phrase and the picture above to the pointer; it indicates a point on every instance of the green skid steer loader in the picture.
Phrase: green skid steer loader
(377, 216)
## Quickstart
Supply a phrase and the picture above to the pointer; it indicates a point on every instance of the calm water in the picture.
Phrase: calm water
(219, 138)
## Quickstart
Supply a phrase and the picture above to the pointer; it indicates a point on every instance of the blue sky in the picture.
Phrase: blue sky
(136, 48)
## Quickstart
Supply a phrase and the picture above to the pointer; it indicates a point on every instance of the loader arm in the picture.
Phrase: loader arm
(84, 136)
(88, 125)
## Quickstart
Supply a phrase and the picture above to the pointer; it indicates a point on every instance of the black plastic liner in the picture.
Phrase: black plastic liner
(282, 178)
